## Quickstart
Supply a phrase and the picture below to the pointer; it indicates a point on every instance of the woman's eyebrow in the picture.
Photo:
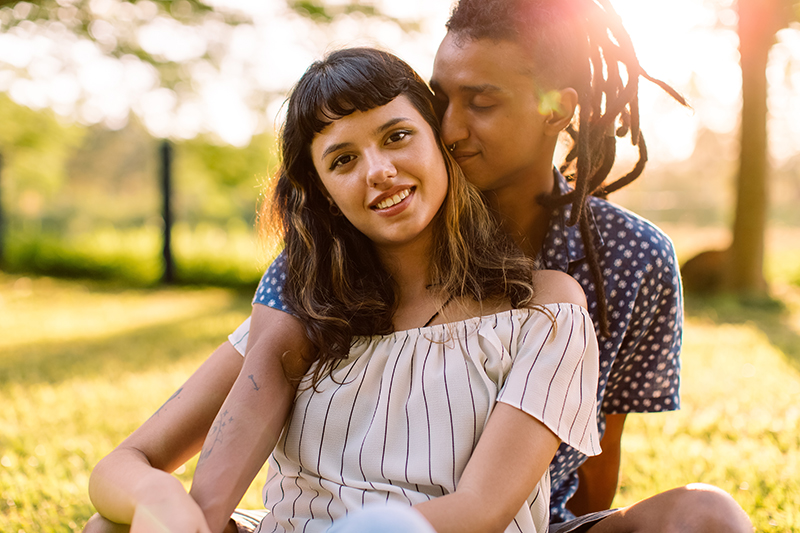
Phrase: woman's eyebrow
(333, 148)
(389, 124)
(380, 129)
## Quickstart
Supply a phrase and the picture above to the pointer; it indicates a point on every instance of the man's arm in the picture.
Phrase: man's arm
(599, 475)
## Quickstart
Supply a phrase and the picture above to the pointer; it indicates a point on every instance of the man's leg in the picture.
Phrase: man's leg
(693, 508)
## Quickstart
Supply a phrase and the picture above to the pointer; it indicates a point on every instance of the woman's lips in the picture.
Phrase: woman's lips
(392, 200)
(396, 203)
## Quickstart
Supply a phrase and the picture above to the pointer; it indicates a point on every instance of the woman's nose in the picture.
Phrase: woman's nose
(380, 168)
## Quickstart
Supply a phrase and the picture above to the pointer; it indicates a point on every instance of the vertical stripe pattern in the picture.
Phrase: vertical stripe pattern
(411, 406)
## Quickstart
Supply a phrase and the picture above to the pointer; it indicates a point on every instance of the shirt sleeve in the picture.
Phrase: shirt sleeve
(646, 372)
(268, 293)
(270, 289)
(239, 337)
(554, 377)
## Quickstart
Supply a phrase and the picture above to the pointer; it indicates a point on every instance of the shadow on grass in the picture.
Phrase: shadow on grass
(135, 350)
(771, 316)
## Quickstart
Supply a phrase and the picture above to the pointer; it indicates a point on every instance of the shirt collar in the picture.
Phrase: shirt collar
(563, 244)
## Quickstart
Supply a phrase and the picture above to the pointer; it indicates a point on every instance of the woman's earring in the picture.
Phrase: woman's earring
(451, 147)
(333, 209)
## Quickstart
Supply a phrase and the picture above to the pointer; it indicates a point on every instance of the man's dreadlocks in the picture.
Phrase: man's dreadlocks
(579, 44)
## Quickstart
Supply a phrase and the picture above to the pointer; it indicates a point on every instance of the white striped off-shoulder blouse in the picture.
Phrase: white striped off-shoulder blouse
(409, 408)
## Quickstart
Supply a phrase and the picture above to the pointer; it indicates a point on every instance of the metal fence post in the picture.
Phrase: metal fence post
(165, 153)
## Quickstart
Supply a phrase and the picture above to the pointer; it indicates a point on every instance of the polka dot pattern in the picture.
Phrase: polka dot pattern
(639, 360)
(270, 288)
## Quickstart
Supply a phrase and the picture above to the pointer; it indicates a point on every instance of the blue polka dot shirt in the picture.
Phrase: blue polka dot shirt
(639, 360)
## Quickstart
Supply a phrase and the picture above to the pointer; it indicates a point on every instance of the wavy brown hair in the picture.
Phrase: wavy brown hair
(335, 282)
(579, 44)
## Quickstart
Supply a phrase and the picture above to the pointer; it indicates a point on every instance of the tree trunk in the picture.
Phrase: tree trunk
(758, 23)
(2, 218)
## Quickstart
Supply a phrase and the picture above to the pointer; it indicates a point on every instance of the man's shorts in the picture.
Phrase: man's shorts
(581, 523)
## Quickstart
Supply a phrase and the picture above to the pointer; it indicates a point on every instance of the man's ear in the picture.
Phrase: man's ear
(558, 108)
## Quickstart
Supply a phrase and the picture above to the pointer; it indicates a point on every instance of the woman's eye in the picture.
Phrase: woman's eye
(341, 161)
(398, 136)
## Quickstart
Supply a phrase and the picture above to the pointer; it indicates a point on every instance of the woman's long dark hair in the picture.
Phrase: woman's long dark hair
(335, 282)
(579, 44)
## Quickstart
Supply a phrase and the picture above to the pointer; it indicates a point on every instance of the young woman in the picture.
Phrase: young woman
(439, 377)
(433, 372)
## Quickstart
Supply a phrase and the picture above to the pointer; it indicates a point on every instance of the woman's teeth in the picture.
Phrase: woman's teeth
(397, 198)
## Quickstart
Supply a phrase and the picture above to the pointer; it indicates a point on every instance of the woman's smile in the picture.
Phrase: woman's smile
(384, 169)
(386, 201)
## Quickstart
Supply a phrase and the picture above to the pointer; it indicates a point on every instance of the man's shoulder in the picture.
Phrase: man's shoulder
(625, 230)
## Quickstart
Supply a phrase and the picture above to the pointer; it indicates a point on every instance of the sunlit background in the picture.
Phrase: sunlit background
(119, 75)
(225, 69)
(91, 343)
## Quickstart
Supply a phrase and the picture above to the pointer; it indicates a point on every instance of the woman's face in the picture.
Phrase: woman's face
(384, 170)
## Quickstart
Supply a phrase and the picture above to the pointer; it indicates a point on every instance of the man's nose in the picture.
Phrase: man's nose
(454, 125)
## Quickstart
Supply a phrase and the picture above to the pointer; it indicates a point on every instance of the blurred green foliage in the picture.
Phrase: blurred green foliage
(85, 202)
(35, 146)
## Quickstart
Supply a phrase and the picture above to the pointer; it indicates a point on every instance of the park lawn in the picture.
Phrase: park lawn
(82, 365)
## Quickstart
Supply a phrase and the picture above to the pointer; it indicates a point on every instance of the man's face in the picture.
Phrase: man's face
(491, 112)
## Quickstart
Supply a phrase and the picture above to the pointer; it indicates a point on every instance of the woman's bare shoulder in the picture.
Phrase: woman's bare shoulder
(553, 286)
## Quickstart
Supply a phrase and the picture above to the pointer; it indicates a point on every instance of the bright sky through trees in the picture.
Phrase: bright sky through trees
(691, 44)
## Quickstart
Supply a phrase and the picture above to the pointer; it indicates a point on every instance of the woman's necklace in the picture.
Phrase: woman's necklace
(431, 319)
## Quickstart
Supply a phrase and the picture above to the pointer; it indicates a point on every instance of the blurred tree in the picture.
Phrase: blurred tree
(220, 182)
(91, 18)
(35, 147)
(114, 25)
(740, 268)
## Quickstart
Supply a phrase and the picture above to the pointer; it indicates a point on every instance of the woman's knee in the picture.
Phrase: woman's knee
(391, 518)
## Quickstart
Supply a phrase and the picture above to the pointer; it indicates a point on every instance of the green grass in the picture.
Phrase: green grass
(206, 254)
(739, 426)
(83, 364)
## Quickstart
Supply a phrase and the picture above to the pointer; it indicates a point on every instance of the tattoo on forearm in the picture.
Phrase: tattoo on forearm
(175, 395)
(255, 385)
(215, 434)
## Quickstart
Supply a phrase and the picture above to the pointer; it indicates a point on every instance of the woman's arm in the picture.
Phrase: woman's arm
(136, 473)
(512, 455)
(515, 449)
(251, 418)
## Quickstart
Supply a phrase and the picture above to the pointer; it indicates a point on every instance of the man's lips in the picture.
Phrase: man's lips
(462, 155)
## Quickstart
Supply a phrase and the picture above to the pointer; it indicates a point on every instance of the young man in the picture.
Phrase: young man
(509, 76)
